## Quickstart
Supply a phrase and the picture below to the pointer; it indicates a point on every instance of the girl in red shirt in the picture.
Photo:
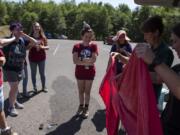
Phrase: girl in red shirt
(84, 56)
(37, 56)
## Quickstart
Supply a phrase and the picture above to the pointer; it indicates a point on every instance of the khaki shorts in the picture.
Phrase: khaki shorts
(13, 76)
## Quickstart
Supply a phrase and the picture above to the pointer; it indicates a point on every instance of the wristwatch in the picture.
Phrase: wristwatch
(156, 61)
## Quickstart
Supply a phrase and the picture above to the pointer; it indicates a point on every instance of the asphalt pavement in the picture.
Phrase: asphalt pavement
(53, 113)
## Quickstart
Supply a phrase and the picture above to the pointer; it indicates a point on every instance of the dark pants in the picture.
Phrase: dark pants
(41, 66)
(25, 79)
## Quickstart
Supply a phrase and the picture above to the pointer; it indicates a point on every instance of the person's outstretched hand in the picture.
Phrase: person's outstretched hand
(143, 51)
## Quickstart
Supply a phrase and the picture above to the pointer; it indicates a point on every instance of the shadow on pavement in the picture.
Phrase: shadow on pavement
(62, 103)
(68, 128)
(20, 100)
(99, 120)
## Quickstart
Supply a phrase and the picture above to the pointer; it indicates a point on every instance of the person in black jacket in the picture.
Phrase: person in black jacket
(170, 116)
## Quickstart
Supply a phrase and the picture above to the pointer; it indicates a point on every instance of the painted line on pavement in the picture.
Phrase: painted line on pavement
(57, 47)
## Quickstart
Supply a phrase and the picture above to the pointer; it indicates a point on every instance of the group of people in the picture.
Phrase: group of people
(13, 67)
(154, 52)
(159, 58)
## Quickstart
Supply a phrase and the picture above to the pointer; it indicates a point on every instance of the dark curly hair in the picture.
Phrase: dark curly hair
(15, 25)
(153, 24)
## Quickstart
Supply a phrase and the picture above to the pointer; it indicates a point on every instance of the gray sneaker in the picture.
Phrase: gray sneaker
(8, 132)
(19, 105)
(45, 90)
(26, 95)
(35, 90)
(12, 111)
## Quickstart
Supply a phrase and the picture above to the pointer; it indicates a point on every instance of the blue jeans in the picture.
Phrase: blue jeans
(41, 66)
(25, 79)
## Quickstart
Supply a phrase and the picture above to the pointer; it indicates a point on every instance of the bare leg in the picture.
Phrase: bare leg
(88, 86)
(81, 88)
(13, 93)
(3, 123)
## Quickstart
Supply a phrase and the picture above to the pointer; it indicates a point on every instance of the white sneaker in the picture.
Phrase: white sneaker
(45, 90)
(80, 111)
(85, 113)
(12, 111)
(8, 132)
(19, 105)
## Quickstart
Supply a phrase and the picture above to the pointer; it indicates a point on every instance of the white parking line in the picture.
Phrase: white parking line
(57, 47)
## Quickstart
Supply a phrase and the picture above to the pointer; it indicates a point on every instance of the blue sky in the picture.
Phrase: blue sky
(114, 3)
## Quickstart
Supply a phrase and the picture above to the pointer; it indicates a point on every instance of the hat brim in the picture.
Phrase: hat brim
(127, 38)
(115, 38)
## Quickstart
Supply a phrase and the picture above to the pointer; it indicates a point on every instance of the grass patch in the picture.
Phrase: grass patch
(4, 31)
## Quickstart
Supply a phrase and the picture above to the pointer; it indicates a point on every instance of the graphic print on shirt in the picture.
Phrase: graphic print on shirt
(85, 53)
(17, 54)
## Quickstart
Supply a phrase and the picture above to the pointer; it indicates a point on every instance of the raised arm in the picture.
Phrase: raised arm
(44, 44)
(33, 42)
(171, 79)
(44, 47)
(4, 42)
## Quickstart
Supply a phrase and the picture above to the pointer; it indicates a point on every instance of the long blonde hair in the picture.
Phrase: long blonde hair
(41, 32)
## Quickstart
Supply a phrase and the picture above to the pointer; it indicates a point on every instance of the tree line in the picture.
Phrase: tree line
(67, 17)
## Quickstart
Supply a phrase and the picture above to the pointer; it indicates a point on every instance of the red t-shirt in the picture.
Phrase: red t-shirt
(85, 72)
(1, 74)
(37, 55)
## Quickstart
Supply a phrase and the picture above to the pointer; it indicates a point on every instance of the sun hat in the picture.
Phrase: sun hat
(121, 34)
